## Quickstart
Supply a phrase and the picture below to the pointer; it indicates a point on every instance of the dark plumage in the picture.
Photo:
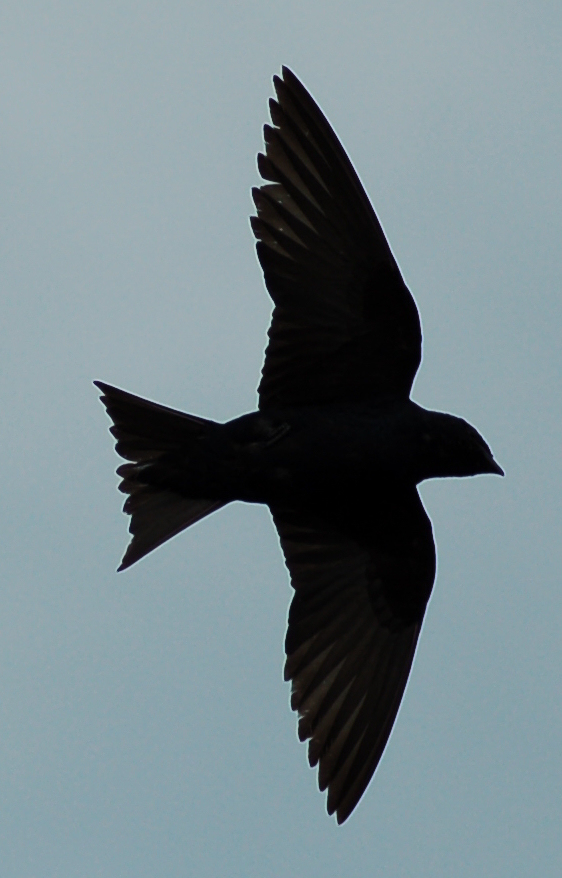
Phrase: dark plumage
(336, 449)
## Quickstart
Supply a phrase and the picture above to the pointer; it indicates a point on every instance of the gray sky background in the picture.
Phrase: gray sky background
(144, 725)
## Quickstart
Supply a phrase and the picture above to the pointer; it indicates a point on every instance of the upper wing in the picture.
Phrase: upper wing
(353, 627)
(344, 325)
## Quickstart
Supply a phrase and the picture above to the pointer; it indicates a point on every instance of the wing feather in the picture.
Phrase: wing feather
(344, 324)
(353, 627)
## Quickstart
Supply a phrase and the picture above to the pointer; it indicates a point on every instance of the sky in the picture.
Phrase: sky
(145, 728)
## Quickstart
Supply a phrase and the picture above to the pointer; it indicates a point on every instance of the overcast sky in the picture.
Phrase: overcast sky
(144, 725)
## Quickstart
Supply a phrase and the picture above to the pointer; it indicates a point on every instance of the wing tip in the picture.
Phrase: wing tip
(288, 76)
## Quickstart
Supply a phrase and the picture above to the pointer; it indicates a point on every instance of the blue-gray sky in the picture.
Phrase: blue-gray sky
(144, 725)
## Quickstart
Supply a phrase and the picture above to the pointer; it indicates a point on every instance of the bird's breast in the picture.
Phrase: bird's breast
(320, 454)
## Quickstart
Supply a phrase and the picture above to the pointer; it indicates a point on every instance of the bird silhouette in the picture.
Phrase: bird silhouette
(336, 448)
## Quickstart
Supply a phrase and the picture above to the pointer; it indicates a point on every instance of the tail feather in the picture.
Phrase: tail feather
(157, 516)
(145, 432)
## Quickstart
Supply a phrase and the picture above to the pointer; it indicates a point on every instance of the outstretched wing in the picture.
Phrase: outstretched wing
(344, 327)
(353, 627)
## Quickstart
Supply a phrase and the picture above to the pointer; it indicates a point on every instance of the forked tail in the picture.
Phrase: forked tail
(146, 433)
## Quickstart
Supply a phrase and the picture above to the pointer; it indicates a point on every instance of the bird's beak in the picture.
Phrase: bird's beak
(496, 468)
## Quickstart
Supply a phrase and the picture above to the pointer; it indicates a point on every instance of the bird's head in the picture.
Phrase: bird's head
(454, 448)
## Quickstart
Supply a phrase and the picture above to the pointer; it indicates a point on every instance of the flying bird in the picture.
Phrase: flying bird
(336, 449)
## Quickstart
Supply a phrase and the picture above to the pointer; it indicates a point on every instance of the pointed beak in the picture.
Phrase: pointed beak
(496, 468)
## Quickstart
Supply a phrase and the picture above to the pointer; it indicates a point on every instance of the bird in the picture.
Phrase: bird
(336, 448)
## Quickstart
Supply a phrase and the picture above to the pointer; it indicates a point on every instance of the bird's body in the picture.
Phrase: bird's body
(336, 449)
(343, 455)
